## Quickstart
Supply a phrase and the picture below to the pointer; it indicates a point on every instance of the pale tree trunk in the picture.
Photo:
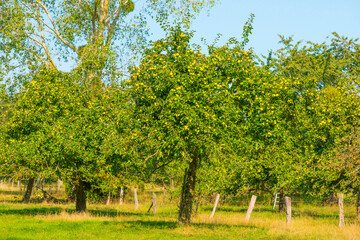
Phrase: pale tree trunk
(28, 191)
(121, 195)
(187, 192)
(108, 199)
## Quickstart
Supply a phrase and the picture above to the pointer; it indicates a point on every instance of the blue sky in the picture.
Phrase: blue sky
(309, 20)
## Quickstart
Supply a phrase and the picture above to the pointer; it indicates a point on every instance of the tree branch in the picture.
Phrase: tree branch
(111, 26)
(55, 29)
(43, 41)
(37, 55)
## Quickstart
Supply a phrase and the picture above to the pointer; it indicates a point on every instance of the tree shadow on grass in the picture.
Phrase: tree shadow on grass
(32, 211)
(308, 213)
(173, 225)
(47, 210)
(236, 209)
(113, 213)
(9, 192)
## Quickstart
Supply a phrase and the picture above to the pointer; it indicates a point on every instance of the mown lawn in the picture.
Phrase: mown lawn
(58, 221)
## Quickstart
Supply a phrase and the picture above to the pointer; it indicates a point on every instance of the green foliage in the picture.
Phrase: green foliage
(325, 80)
(182, 103)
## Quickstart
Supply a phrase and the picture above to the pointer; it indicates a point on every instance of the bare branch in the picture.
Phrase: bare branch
(116, 13)
(55, 29)
(37, 42)
(43, 41)
(111, 26)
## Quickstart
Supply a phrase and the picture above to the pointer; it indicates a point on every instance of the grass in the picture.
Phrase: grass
(58, 221)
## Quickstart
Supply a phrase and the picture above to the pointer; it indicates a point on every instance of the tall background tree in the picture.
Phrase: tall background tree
(90, 37)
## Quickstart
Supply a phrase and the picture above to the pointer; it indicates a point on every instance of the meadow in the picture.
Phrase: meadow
(43, 220)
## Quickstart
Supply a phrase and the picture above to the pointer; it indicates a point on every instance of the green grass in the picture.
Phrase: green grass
(58, 221)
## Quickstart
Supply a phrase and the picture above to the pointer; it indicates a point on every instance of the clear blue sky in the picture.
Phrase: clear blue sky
(309, 20)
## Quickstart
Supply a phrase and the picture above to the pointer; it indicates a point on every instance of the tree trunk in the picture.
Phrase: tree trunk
(38, 184)
(282, 201)
(28, 191)
(187, 192)
(80, 197)
(108, 199)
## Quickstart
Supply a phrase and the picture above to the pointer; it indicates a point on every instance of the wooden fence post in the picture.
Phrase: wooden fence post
(154, 203)
(18, 185)
(215, 205)
(288, 210)
(136, 199)
(341, 210)
(251, 207)
(58, 185)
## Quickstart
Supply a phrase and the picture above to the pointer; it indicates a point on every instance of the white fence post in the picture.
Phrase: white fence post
(215, 205)
(136, 199)
(341, 210)
(251, 207)
(288, 210)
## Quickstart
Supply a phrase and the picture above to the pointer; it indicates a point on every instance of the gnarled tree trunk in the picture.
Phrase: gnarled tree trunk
(28, 191)
(187, 192)
(80, 197)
